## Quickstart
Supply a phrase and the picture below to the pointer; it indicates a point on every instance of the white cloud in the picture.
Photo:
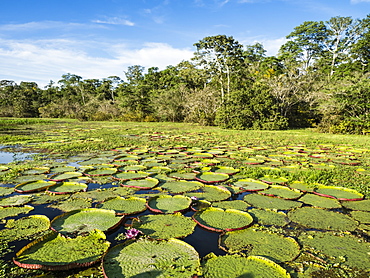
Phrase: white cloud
(45, 60)
(115, 21)
(271, 46)
(359, 1)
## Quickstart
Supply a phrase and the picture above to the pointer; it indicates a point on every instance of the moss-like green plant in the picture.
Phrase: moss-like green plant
(169, 204)
(55, 252)
(271, 179)
(235, 266)
(251, 184)
(340, 193)
(210, 193)
(363, 205)
(164, 226)
(210, 177)
(361, 216)
(276, 247)
(14, 211)
(147, 258)
(322, 219)
(124, 206)
(17, 200)
(24, 227)
(233, 204)
(282, 192)
(319, 201)
(269, 217)
(85, 220)
(180, 186)
(145, 183)
(266, 202)
(72, 204)
(218, 220)
(342, 248)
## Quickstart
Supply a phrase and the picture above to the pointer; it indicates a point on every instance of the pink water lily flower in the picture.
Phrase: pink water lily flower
(132, 233)
(194, 198)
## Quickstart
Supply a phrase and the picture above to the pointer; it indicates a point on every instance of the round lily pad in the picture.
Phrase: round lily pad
(133, 168)
(17, 200)
(65, 176)
(271, 179)
(235, 266)
(340, 193)
(276, 247)
(72, 204)
(225, 170)
(151, 258)
(6, 190)
(14, 211)
(100, 172)
(36, 171)
(62, 169)
(269, 217)
(27, 178)
(361, 216)
(345, 249)
(218, 220)
(210, 193)
(125, 176)
(253, 161)
(363, 205)
(166, 226)
(145, 183)
(124, 206)
(319, 201)
(67, 187)
(282, 192)
(322, 219)
(233, 204)
(183, 176)
(55, 252)
(251, 184)
(169, 204)
(180, 186)
(33, 186)
(266, 202)
(302, 186)
(210, 177)
(85, 220)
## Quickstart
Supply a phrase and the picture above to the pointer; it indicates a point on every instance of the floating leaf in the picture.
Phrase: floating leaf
(33, 186)
(235, 266)
(55, 252)
(14, 211)
(266, 202)
(36, 171)
(340, 193)
(125, 176)
(275, 247)
(169, 204)
(124, 206)
(233, 204)
(72, 204)
(65, 176)
(210, 177)
(218, 220)
(148, 258)
(16, 200)
(62, 169)
(322, 219)
(225, 170)
(67, 187)
(181, 186)
(302, 186)
(271, 179)
(100, 172)
(361, 216)
(164, 226)
(85, 220)
(251, 184)
(319, 201)
(133, 168)
(269, 217)
(183, 176)
(27, 178)
(210, 193)
(282, 192)
(6, 190)
(357, 205)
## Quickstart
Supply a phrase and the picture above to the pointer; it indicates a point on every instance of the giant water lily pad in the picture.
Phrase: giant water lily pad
(24, 227)
(14, 211)
(218, 220)
(266, 202)
(164, 226)
(6, 190)
(67, 187)
(251, 184)
(36, 171)
(361, 216)
(225, 170)
(210, 193)
(62, 169)
(363, 205)
(276, 247)
(65, 176)
(100, 172)
(302, 186)
(271, 179)
(85, 220)
(322, 219)
(319, 201)
(124, 206)
(340, 193)
(17, 200)
(150, 258)
(210, 177)
(55, 252)
(233, 204)
(282, 192)
(130, 175)
(236, 266)
(27, 178)
(33, 186)
(180, 186)
(145, 183)
(169, 204)
(345, 248)
(269, 217)
(72, 204)
(183, 176)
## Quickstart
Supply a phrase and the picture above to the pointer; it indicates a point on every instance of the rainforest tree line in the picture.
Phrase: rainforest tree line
(320, 77)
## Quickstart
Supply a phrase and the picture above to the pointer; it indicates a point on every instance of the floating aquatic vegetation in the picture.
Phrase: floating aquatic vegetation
(340, 193)
(251, 184)
(27, 178)
(130, 175)
(24, 227)
(363, 205)
(55, 252)
(6, 190)
(144, 257)
(100, 172)
(269, 217)
(164, 226)
(17, 200)
(62, 169)
(320, 201)
(361, 216)
(36, 171)
(282, 192)
(181, 186)
(169, 204)
(271, 179)
(218, 220)
(210, 193)
(302, 186)
(45, 198)
(98, 195)
(14, 211)
(233, 204)
(72, 204)
(85, 220)
(67, 188)
(340, 248)
(210, 177)
(33, 186)
(135, 167)
(234, 266)
(124, 206)
(146, 183)
(65, 176)
(273, 246)
(266, 202)
(183, 175)
(322, 219)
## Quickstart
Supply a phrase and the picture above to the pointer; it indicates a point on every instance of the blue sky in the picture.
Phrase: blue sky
(40, 40)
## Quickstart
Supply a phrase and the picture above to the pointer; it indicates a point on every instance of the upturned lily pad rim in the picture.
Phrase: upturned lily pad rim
(66, 184)
(73, 175)
(154, 182)
(353, 191)
(223, 177)
(46, 185)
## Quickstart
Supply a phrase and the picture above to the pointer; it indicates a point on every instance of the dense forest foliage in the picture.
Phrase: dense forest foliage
(320, 78)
